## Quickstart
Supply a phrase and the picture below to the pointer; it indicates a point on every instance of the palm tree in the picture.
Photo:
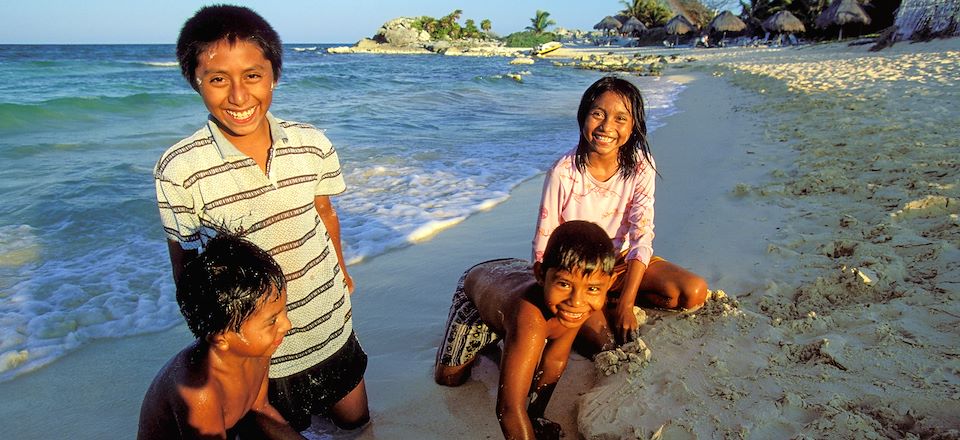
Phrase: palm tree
(649, 12)
(541, 22)
(634, 8)
(486, 25)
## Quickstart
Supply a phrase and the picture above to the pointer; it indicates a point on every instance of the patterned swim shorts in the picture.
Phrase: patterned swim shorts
(466, 334)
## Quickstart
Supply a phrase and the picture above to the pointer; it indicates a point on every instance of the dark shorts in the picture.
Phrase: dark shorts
(316, 390)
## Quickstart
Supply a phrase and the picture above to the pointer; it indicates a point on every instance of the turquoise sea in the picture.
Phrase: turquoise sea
(424, 141)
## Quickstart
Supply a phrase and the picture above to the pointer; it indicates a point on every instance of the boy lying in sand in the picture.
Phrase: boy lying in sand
(234, 299)
(537, 312)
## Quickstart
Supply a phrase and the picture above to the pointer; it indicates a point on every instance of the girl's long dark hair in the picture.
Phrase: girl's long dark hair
(630, 153)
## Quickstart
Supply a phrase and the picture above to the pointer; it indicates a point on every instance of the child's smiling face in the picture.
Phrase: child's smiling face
(236, 83)
(573, 296)
(609, 124)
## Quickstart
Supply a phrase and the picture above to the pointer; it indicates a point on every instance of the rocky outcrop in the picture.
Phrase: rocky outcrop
(642, 65)
(398, 36)
(400, 32)
(367, 45)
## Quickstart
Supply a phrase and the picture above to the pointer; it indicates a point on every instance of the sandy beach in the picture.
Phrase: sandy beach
(815, 188)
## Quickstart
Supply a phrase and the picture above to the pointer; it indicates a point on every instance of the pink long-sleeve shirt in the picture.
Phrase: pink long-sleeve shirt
(622, 207)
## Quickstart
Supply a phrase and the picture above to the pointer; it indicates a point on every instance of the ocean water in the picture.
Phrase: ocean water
(424, 141)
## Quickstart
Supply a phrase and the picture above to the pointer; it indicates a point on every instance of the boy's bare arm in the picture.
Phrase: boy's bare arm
(523, 347)
(555, 356)
(328, 215)
(272, 424)
(268, 420)
(179, 258)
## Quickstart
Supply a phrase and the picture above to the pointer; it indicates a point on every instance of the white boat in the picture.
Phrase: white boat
(546, 48)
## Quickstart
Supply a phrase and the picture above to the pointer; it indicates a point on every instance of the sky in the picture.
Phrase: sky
(297, 21)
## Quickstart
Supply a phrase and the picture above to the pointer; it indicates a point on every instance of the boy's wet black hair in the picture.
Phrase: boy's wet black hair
(637, 145)
(233, 23)
(221, 287)
(579, 245)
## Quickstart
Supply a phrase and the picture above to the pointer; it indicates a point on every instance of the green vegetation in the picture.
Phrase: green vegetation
(655, 13)
(528, 38)
(756, 11)
(540, 22)
(652, 13)
(696, 12)
(447, 27)
(535, 34)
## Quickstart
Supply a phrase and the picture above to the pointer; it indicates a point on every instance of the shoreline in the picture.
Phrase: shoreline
(756, 196)
(843, 322)
(399, 376)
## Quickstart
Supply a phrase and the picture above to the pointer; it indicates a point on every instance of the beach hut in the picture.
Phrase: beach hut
(784, 21)
(678, 26)
(840, 13)
(607, 24)
(632, 26)
(726, 22)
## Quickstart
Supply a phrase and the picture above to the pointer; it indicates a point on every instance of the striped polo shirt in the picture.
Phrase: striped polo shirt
(204, 182)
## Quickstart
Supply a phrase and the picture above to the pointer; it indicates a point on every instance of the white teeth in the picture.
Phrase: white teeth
(603, 138)
(242, 115)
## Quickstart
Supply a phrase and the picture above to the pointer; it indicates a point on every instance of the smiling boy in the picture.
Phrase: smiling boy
(537, 312)
(247, 170)
(233, 297)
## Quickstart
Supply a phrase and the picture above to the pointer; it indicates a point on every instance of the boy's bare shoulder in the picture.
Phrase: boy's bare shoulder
(182, 380)
(181, 388)
(507, 270)
(497, 288)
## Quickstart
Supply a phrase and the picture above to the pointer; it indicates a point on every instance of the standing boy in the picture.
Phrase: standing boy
(233, 298)
(271, 179)
(536, 312)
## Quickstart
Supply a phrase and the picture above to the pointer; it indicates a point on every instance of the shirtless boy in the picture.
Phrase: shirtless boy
(233, 297)
(537, 312)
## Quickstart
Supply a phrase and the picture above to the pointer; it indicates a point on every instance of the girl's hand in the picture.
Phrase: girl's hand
(624, 325)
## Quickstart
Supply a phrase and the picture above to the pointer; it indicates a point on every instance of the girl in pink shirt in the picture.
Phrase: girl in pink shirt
(608, 179)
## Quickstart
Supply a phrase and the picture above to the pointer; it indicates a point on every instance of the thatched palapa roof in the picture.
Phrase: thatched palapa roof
(841, 12)
(727, 22)
(633, 25)
(608, 23)
(784, 21)
(679, 25)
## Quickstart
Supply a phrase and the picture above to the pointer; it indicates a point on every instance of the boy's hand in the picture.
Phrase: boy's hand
(545, 429)
(349, 280)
